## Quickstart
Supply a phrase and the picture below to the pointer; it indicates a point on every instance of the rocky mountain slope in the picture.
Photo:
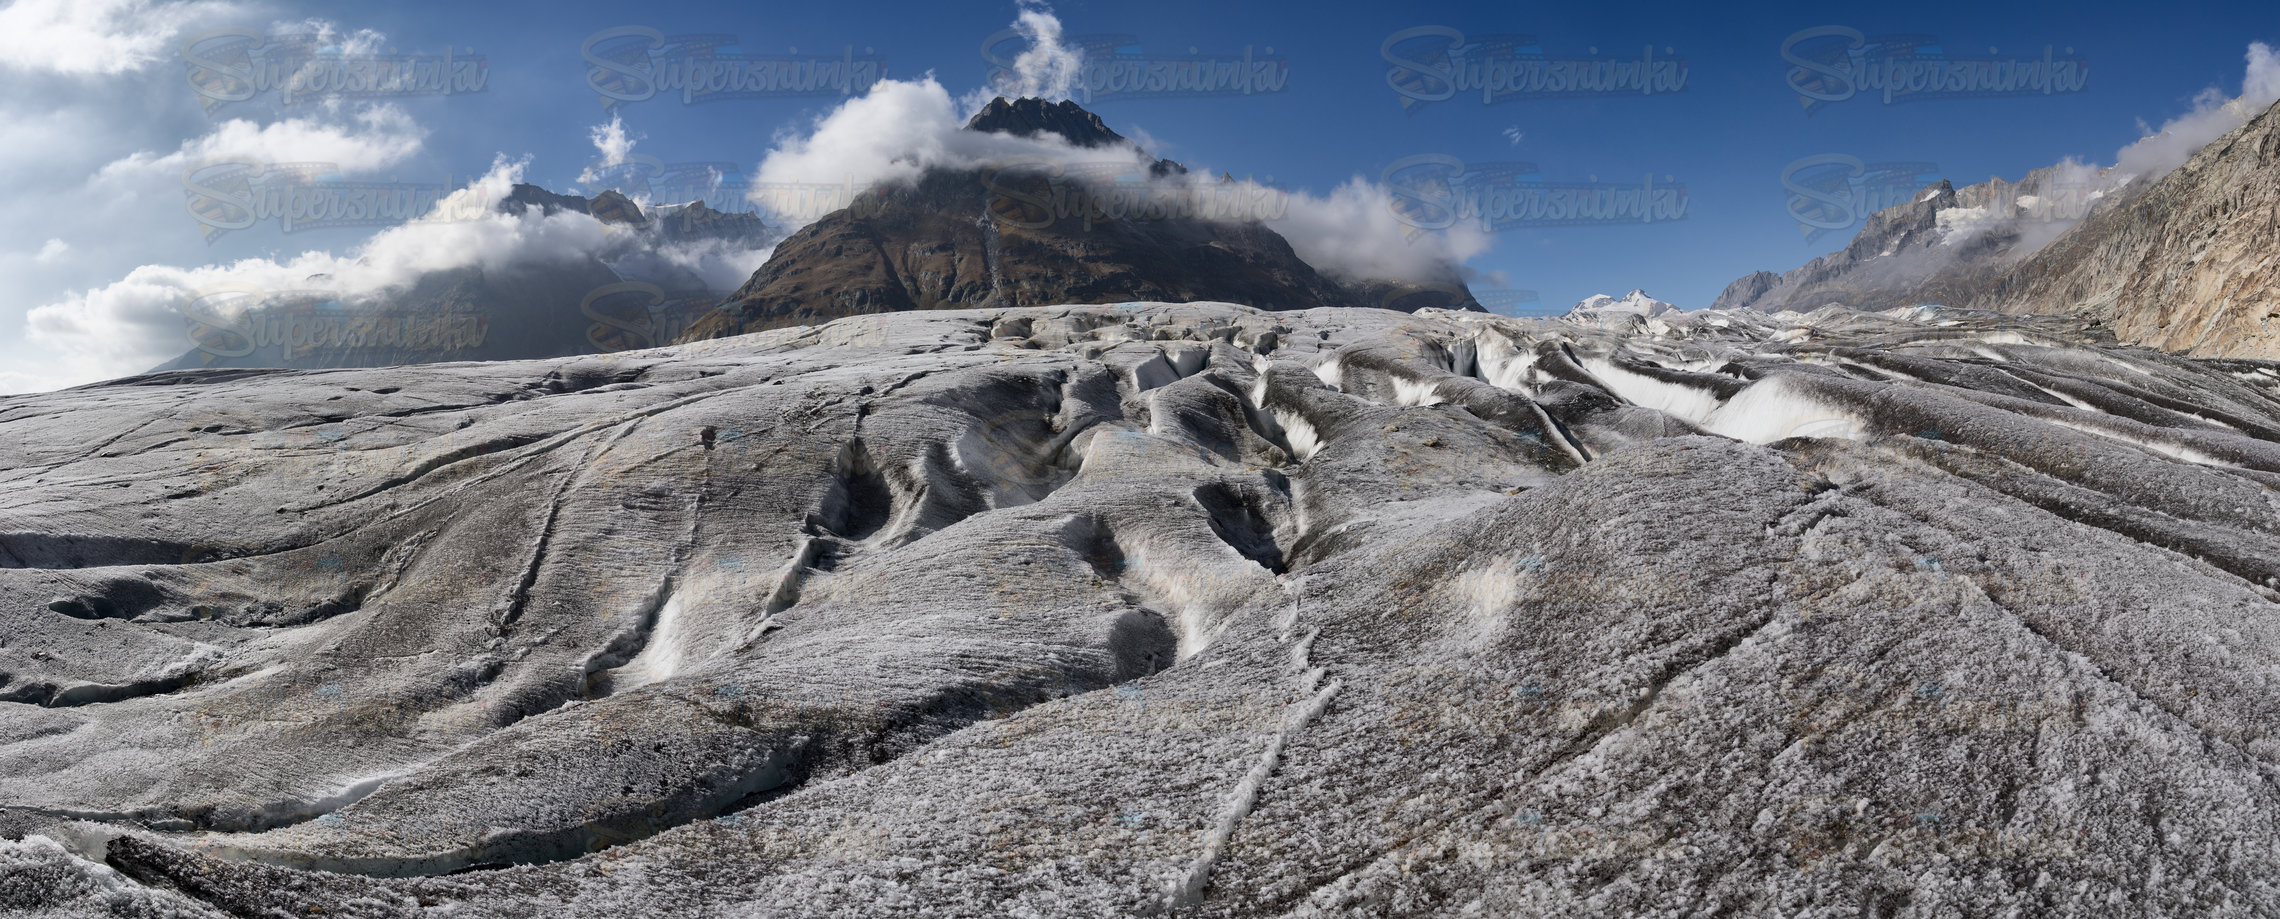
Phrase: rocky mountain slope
(1187, 610)
(1026, 234)
(2185, 263)
(2192, 264)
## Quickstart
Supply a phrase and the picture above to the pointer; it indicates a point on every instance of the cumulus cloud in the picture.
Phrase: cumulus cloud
(96, 37)
(1048, 69)
(719, 264)
(2214, 115)
(375, 137)
(2032, 218)
(900, 129)
(135, 323)
(1353, 234)
(138, 322)
(613, 144)
(51, 250)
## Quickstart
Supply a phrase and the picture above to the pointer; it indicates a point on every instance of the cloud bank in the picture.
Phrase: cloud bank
(96, 37)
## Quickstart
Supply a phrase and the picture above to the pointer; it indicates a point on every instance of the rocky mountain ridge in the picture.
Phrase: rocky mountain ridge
(2185, 262)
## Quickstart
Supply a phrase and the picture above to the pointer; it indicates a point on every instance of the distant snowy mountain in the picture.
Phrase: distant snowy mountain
(1635, 303)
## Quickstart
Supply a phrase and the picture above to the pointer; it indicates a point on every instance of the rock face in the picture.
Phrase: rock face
(1183, 610)
(2191, 265)
(1035, 234)
(2185, 263)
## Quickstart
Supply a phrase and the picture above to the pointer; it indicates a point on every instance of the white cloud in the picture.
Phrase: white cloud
(1048, 68)
(1354, 234)
(2263, 78)
(898, 130)
(135, 323)
(2214, 115)
(52, 250)
(2075, 187)
(96, 37)
(611, 140)
(903, 128)
(722, 265)
(330, 34)
(377, 137)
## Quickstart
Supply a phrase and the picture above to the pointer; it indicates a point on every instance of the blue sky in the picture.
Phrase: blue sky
(103, 101)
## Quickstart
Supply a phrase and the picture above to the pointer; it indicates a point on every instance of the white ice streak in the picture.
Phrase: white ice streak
(663, 656)
(1772, 409)
(2157, 445)
(1407, 391)
(1690, 403)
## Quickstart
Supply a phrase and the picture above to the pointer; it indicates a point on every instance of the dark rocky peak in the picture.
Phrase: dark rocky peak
(1029, 117)
(694, 220)
(608, 207)
(525, 196)
(612, 207)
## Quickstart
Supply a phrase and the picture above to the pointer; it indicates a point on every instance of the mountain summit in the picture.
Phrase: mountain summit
(1029, 117)
(1034, 234)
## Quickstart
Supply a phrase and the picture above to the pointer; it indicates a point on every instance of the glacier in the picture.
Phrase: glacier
(1158, 609)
